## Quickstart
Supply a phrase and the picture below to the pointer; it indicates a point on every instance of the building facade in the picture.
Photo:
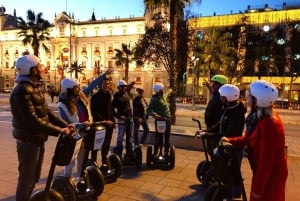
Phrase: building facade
(264, 20)
(91, 44)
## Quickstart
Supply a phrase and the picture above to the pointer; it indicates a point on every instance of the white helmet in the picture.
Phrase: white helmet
(158, 87)
(230, 91)
(68, 83)
(121, 83)
(25, 63)
(264, 92)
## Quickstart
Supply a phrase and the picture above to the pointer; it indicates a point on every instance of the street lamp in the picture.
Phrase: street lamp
(55, 69)
(194, 60)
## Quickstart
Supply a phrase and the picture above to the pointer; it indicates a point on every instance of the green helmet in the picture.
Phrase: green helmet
(221, 79)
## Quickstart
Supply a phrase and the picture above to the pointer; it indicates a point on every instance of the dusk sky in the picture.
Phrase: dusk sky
(82, 9)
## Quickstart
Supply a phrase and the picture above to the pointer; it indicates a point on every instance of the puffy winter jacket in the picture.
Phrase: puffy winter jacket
(32, 120)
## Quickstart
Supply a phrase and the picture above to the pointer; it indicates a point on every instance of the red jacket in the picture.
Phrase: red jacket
(267, 158)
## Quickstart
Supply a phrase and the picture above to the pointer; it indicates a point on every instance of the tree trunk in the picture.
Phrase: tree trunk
(171, 98)
(126, 72)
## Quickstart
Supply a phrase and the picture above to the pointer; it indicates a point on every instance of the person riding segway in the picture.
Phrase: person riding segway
(158, 108)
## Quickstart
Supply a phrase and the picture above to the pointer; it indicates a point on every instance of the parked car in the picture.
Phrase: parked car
(282, 103)
(189, 100)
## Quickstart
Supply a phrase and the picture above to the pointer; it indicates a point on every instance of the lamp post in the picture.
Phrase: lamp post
(55, 69)
(194, 60)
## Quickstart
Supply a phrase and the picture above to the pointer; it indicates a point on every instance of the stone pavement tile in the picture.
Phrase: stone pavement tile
(149, 178)
(170, 182)
(131, 183)
(171, 193)
(121, 191)
(152, 187)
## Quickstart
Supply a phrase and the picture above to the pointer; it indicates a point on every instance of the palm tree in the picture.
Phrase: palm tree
(122, 57)
(34, 31)
(76, 68)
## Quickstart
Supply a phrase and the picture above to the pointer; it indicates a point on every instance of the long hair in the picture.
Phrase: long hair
(264, 112)
(70, 102)
(83, 97)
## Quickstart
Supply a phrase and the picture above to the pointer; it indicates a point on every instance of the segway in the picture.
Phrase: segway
(227, 171)
(160, 159)
(64, 149)
(204, 170)
(91, 186)
(113, 169)
(135, 160)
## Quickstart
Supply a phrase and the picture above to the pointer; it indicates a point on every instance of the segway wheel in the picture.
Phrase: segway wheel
(96, 178)
(203, 172)
(172, 157)
(64, 187)
(43, 195)
(149, 161)
(215, 192)
(137, 153)
(116, 164)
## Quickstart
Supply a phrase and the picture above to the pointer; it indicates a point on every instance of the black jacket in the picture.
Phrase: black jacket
(231, 124)
(32, 120)
(121, 105)
(233, 120)
(139, 108)
(213, 111)
(101, 106)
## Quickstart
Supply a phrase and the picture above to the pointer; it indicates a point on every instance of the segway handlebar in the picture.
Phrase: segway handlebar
(198, 122)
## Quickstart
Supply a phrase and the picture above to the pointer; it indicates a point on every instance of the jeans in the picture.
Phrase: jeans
(136, 127)
(30, 158)
(124, 127)
(159, 141)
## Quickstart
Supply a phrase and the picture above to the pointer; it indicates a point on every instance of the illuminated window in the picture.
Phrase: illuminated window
(83, 32)
(110, 49)
(124, 29)
(139, 30)
(96, 31)
(110, 30)
(97, 51)
(61, 30)
(83, 51)
(110, 64)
